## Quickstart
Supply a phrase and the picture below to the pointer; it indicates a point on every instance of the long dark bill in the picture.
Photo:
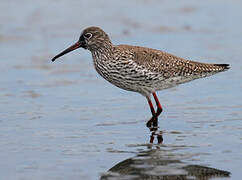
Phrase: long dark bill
(73, 47)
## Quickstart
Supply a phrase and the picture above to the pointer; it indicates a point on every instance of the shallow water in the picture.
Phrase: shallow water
(62, 121)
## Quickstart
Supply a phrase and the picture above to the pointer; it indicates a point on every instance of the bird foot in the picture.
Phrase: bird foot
(148, 124)
(152, 124)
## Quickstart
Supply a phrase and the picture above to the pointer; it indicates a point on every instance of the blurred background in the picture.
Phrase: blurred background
(63, 121)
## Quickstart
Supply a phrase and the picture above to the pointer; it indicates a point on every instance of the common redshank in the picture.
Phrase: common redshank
(140, 69)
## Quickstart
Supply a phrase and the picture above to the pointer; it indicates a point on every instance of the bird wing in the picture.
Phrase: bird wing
(169, 65)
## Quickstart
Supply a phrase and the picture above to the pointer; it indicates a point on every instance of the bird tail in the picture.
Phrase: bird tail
(222, 67)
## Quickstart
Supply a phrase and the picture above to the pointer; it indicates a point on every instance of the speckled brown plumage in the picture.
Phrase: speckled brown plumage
(140, 69)
(162, 62)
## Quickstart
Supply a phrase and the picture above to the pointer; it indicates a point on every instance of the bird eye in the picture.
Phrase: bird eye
(88, 35)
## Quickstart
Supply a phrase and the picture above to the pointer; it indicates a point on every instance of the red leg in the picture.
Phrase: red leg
(159, 107)
(154, 120)
(151, 106)
(158, 111)
(148, 124)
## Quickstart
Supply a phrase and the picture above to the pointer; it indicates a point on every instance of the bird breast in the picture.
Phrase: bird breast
(125, 73)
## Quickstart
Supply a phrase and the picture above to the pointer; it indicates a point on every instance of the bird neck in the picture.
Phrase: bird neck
(103, 53)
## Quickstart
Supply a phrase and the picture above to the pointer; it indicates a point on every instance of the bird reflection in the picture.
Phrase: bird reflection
(158, 135)
(161, 164)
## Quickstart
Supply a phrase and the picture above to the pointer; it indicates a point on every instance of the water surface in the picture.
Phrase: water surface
(62, 121)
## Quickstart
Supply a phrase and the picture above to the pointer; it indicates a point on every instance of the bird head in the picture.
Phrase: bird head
(92, 38)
